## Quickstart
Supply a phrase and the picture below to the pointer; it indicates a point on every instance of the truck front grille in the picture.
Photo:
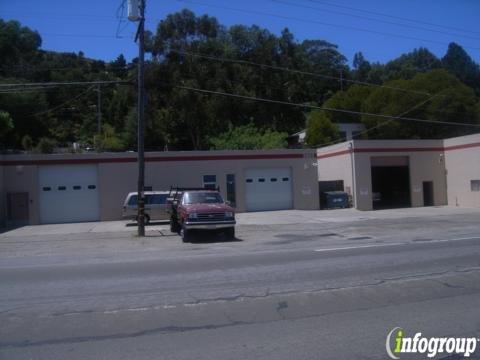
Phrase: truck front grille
(211, 217)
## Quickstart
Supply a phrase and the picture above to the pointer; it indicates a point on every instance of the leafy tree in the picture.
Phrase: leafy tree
(362, 67)
(460, 64)
(408, 65)
(46, 145)
(27, 143)
(320, 130)
(6, 126)
(351, 99)
(110, 140)
(248, 137)
(454, 102)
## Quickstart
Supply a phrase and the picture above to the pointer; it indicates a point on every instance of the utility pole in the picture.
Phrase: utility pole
(136, 9)
(99, 109)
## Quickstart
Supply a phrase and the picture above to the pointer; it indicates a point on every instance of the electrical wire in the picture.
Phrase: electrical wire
(372, 19)
(391, 16)
(284, 17)
(300, 72)
(366, 131)
(62, 104)
(308, 106)
(70, 83)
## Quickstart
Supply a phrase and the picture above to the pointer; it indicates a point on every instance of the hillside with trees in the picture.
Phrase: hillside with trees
(196, 64)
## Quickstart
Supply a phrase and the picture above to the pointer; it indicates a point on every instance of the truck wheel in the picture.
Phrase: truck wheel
(186, 235)
(173, 225)
(230, 232)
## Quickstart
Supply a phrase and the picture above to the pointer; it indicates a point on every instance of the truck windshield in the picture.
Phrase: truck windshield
(202, 198)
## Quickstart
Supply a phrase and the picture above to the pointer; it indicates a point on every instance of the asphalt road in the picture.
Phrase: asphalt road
(308, 294)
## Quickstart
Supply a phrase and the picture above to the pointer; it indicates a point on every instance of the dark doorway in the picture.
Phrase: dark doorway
(17, 209)
(428, 193)
(390, 187)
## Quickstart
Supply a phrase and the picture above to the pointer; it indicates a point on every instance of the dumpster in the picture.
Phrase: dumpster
(334, 200)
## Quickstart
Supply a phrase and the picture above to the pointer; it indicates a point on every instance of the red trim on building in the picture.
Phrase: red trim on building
(462, 146)
(151, 159)
(387, 150)
(416, 149)
(337, 153)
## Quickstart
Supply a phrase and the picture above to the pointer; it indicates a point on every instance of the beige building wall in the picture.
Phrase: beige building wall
(335, 163)
(425, 160)
(23, 178)
(117, 174)
(462, 161)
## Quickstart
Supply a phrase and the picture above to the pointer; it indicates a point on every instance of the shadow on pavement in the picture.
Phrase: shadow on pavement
(209, 238)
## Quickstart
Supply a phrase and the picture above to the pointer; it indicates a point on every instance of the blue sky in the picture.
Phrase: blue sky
(91, 26)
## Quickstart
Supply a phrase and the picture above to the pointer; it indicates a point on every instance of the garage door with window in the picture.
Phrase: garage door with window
(268, 189)
(68, 193)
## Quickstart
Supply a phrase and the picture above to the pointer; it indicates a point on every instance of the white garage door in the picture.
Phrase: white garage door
(268, 189)
(68, 193)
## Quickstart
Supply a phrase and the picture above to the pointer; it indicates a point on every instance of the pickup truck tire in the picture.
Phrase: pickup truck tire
(186, 235)
(230, 232)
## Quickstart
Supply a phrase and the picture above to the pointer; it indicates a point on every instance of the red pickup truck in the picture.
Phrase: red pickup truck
(199, 209)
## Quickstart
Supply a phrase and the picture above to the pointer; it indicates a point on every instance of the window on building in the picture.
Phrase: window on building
(249, 180)
(231, 189)
(210, 181)
(92, 187)
(77, 187)
(273, 179)
(261, 180)
(475, 185)
(47, 188)
(62, 188)
(285, 179)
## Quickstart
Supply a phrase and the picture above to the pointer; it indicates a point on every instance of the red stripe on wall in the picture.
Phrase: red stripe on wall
(417, 149)
(338, 153)
(151, 159)
(463, 146)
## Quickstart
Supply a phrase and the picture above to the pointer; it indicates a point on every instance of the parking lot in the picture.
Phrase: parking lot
(259, 231)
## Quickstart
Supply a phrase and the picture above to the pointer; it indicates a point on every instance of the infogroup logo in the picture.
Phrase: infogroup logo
(397, 343)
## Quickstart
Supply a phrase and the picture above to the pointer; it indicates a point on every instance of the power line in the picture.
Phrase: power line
(372, 19)
(308, 106)
(381, 124)
(392, 16)
(294, 71)
(62, 104)
(262, 13)
(70, 83)
(88, 36)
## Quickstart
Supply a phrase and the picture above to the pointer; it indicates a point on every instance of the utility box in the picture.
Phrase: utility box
(334, 200)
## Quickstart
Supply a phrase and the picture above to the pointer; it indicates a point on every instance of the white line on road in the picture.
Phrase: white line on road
(395, 244)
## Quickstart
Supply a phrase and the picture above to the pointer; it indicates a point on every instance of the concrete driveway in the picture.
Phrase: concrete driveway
(281, 217)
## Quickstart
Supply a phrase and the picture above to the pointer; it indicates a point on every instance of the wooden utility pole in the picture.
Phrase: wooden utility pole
(141, 125)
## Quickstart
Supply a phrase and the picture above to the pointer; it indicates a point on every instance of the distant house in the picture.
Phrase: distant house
(348, 131)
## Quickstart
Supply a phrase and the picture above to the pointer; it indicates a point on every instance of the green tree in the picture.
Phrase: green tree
(6, 126)
(110, 141)
(27, 143)
(460, 64)
(455, 102)
(46, 145)
(320, 130)
(248, 137)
